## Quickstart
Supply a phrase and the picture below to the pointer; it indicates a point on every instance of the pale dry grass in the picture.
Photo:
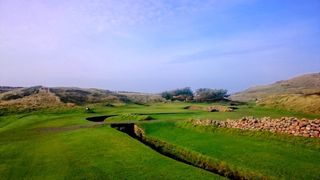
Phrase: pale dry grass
(305, 84)
(40, 100)
(295, 102)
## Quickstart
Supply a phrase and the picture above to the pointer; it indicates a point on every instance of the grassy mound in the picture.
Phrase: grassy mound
(130, 117)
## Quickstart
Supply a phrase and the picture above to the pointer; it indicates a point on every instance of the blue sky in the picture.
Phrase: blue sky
(154, 45)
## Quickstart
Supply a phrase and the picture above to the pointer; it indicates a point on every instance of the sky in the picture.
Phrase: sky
(156, 45)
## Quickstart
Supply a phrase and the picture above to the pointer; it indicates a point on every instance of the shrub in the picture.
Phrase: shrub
(183, 94)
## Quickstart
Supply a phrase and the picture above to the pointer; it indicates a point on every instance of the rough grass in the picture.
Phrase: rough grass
(305, 84)
(40, 100)
(295, 102)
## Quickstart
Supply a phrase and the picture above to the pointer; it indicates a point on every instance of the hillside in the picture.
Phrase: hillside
(65, 94)
(301, 93)
(39, 97)
(39, 100)
(305, 84)
(295, 102)
(7, 88)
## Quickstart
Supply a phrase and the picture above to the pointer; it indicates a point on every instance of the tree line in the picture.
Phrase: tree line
(200, 95)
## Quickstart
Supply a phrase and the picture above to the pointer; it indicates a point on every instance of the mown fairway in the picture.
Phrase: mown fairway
(53, 147)
(61, 143)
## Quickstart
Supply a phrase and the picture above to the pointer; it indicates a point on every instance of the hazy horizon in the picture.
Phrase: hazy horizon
(156, 45)
(156, 91)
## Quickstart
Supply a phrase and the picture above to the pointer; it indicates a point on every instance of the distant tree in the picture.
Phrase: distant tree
(209, 95)
(182, 94)
(167, 95)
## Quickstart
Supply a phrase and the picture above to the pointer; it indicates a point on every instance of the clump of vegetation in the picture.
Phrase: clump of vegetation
(210, 95)
(184, 94)
(201, 95)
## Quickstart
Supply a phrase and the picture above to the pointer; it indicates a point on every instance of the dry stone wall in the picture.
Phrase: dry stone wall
(288, 125)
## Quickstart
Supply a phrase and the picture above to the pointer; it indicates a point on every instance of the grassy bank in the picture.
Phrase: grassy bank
(272, 157)
(195, 158)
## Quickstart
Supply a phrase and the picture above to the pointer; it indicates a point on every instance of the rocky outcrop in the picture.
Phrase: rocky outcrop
(288, 125)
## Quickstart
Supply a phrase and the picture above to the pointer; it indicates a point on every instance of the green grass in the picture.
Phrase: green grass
(62, 144)
(176, 111)
(44, 148)
(130, 116)
(275, 157)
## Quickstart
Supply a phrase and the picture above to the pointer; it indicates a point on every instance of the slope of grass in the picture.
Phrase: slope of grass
(270, 157)
(305, 84)
(295, 102)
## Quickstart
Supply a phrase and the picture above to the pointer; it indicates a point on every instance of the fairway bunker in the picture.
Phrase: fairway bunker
(177, 153)
(98, 118)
